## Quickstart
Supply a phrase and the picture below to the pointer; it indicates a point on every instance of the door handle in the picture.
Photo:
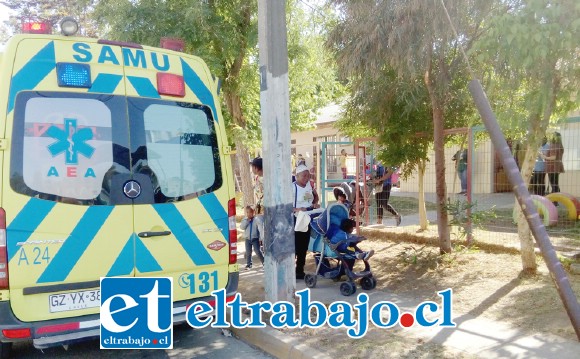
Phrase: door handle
(153, 234)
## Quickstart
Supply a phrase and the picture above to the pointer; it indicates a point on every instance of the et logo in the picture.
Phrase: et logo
(136, 313)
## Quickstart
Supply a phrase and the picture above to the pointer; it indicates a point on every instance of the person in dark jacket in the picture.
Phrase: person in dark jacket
(554, 164)
(382, 198)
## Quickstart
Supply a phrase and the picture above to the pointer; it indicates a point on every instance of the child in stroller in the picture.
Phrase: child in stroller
(343, 252)
(343, 241)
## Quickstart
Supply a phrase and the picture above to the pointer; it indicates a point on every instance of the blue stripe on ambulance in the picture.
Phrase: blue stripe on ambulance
(198, 87)
(143, 86)
(26, 222)
(124, 263)
(215, 209)
(35, 70)
(145, 262)
(76, 244)
(105, 83)
(184, 234)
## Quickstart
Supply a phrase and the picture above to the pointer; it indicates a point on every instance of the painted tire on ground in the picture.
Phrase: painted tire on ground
(545, 208)
(567, 200)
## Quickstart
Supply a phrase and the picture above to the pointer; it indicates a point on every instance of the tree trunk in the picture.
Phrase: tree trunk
(243, 157)
(233, 103)
(538, 126)
(441, 187)
(526, 240)
(423, 222)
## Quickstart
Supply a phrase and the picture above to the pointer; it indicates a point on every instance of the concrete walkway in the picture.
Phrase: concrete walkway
(484, 201)
(473, 335)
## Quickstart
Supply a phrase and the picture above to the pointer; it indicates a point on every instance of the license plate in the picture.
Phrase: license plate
(74, 300)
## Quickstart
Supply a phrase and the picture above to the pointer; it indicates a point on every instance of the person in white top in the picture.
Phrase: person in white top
(305, 199)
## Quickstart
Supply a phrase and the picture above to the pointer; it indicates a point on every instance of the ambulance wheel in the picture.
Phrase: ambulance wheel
(368, 283)
(310, 280)
(5, 350)
(347, 288)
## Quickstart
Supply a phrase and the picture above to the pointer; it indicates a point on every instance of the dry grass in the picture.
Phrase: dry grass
(486, 283)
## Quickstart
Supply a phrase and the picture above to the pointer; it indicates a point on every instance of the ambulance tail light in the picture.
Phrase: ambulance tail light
(233, 233)
(73, 75)
(36, 27)
(3, 252)
(170, 84)
(21, 333)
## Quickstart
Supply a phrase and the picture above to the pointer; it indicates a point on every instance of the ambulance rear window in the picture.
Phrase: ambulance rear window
(62, 147)
(180, 143)
(82, 148)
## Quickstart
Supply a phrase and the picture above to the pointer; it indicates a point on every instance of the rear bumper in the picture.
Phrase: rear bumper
(49, 333)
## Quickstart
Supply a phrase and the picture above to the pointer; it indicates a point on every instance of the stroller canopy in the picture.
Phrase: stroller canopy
(333, 214)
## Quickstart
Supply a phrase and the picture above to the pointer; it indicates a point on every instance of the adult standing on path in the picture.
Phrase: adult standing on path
(258, 172)
(554, 164)
(382, 198)
(460, 158)
(305, 199)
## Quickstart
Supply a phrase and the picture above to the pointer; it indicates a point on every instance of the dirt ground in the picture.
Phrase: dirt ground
(486, 284)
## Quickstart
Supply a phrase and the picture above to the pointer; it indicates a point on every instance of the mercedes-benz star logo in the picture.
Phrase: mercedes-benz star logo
(132, 189)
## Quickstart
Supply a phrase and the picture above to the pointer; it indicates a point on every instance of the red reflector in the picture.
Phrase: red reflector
(16, 333)
(170, 84)
(2, 221)
(58, 328)
(36, 28)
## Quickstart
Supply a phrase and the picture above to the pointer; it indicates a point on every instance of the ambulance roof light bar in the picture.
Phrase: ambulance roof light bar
(69, 26)
(172, 44)
(36, 27)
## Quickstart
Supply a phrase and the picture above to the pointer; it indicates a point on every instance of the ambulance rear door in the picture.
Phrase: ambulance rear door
(176, 142)
(68, 220)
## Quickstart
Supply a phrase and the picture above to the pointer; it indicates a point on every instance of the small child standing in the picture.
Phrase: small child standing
(253, 228)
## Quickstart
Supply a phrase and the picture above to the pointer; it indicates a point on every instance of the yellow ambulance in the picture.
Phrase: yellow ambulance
(114, 162)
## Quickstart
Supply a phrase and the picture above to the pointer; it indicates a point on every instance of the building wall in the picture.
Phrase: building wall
(306, 146)
(484, 177)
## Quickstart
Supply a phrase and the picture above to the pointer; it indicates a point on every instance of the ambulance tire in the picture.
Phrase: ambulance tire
(567, 200)
(5, 350)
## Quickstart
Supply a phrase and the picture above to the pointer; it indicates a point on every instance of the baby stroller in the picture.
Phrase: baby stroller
(330, 263)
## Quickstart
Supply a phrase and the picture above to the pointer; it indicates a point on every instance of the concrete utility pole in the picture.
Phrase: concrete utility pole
(279, 276)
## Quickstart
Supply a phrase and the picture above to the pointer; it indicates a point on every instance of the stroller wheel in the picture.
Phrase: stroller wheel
(368, 283)
(310, 280)
(347, 288)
